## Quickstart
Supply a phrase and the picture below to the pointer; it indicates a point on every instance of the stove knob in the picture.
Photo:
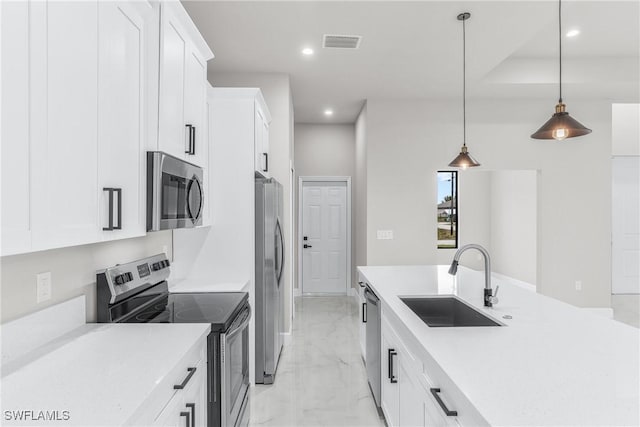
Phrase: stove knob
(155, 266)
(128, 277)
(165, 263)
(120, 279)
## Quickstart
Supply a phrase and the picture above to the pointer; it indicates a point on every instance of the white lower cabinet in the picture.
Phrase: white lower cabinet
(362, 304)
(407, 384)
(180, 399)
(187, 407)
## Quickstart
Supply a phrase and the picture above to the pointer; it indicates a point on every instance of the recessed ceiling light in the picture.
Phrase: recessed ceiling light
(328, 112)
(307, 51)
(573, 33)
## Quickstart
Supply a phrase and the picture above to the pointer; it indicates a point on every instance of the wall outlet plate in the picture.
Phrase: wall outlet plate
(385, 234)
(43, 287)
(578, 285)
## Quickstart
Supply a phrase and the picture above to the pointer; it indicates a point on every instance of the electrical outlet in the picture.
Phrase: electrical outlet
(43, 287)
(385, 234)
(578, 285)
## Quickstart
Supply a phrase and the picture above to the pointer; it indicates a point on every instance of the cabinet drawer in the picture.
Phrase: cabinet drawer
(165, 392)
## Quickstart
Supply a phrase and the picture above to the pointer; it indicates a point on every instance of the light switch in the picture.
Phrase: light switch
(43, 287)
(385, 234)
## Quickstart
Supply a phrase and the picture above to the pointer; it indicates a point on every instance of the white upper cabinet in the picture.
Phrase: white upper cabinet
(64, 115)
(128, 68)
(183, 76)
(261, 129)
(16, 137)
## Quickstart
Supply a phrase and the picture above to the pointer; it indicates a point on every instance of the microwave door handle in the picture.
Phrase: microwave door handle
(197, 211)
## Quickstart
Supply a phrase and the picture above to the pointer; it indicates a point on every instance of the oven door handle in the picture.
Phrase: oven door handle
(232, 332)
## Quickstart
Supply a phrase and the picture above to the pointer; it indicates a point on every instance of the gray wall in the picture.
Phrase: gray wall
(407, 141)
(327, 150)
(73, 272)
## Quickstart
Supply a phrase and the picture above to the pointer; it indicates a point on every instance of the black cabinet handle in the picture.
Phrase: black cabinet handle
(192, 408)
(446, 410)
(119, 226)
(364, 312)
(392, 378)
(112, 227)
(188, 418)
(192, 149)
(266, 162)
(189, 137)
(186, 380)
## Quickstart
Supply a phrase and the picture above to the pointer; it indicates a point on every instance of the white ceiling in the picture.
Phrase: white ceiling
(414, 49)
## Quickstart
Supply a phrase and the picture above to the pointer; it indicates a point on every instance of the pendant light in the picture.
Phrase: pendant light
(464, 159)
(560, 125)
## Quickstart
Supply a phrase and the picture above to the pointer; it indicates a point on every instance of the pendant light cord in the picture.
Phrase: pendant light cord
(464, 84)
(560, 44)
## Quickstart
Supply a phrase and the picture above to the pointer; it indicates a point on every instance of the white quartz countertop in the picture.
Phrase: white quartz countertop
(551, 364)
(101, 373)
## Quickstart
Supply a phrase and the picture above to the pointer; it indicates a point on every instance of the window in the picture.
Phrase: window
(447, 220)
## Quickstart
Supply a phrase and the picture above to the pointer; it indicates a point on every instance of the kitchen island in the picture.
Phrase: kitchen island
(549, 363)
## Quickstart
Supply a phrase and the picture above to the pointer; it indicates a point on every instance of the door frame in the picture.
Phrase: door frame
(301, 181)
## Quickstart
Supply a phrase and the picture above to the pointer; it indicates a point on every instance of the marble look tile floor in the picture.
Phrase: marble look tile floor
(321, 378)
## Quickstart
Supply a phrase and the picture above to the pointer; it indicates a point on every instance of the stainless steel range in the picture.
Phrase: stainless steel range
(137, 292)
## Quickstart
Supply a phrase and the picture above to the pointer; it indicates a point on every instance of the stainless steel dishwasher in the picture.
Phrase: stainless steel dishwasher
(371, 316)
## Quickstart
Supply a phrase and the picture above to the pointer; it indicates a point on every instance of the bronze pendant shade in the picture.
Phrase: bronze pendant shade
(464, 159)
(561, 125)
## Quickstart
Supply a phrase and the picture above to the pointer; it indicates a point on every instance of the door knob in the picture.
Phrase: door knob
(307, 246)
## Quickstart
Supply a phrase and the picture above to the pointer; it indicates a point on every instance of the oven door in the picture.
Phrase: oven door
(234, 368)
(175, 196)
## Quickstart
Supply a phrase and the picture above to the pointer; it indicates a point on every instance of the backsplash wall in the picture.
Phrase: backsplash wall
(73, 272)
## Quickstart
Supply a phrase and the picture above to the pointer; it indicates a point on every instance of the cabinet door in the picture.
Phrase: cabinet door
(64, 127)
(127, 58)
(16, 101)
(265, 148)
(172, 133)
(363, 325)
(390, 390)
(261, 162)
(195, 105)
(412, 397)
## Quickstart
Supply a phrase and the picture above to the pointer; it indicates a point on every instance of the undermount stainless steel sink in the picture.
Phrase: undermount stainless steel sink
(438, 312)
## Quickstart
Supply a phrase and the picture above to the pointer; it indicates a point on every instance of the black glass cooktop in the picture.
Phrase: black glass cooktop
(217, 308)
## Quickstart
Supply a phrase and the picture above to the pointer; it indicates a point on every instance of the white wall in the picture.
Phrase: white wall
(514, 224)
(326, 150)
(409, 140)
(625, 132)
(73, 272)
(360, 189)
(277, 94)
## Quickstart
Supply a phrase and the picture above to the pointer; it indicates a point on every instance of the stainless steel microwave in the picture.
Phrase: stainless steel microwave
(175, 197)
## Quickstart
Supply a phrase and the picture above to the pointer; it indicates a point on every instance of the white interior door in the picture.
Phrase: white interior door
(324, 232)
(626, 225)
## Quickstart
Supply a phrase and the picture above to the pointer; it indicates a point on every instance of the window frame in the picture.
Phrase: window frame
(455, 196)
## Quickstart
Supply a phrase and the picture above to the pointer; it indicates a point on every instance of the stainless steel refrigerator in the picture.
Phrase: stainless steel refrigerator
(269, 300)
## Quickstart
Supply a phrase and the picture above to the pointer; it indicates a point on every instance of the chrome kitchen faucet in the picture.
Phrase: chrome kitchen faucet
(489, 298)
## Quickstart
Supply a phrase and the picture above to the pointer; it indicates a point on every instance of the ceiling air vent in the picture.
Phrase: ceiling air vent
(341, 41)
